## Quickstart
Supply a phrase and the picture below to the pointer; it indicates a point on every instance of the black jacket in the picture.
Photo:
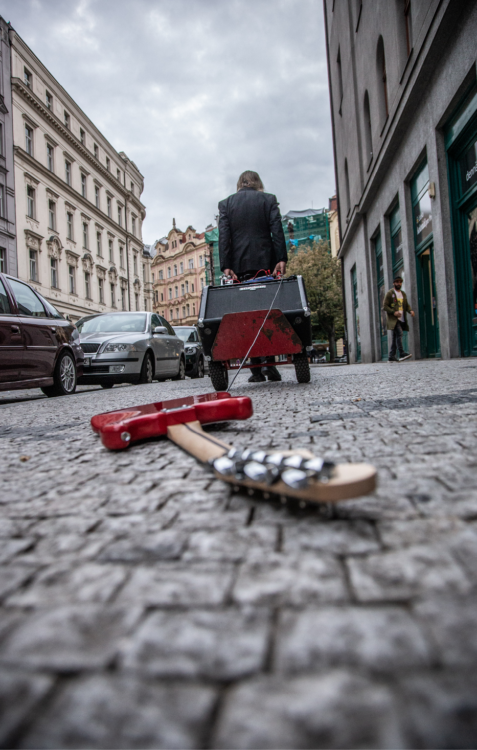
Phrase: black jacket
(250, 232)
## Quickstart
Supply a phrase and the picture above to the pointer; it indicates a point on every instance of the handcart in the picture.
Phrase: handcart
(230, 319)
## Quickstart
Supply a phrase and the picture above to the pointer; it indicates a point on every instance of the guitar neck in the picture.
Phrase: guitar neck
(191, 438)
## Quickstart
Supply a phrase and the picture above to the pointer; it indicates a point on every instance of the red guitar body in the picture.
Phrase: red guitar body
(118, 429)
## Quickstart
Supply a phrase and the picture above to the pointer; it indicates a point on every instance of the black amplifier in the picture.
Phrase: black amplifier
(291, 299)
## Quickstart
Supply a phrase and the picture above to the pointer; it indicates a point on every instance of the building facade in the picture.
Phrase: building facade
(8, 250)
(403, 90)
(179, 274)
(78, 210)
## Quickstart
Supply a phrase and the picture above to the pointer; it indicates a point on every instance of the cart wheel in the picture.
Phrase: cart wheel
(219, 376)
(302, 367)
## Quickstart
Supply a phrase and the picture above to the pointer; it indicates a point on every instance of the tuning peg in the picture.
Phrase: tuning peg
(294, 462)
(313, 464)
(260, 473)
(224, 465)
(276, 459)
(295, 478)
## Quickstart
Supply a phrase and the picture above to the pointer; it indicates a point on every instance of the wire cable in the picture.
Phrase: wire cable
(258, 334)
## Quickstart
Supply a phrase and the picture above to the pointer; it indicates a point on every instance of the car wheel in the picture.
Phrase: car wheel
(199, 369)
(64, 377)
(181, 374)
(147, 369)
(107, 385)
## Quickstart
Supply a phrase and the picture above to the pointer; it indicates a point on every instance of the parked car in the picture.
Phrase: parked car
(129, 347)
(38, 347)
(194, 351)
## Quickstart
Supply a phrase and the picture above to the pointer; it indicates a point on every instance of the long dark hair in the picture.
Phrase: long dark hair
(251, 180)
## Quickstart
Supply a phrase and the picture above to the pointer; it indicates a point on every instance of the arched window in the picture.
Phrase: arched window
(358, 9)
(368, 138)
(347, 193)
(340, 81)
(382, 82)
(404, 29)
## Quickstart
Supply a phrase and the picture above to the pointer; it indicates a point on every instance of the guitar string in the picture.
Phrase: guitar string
(256, 337)
(218, 443)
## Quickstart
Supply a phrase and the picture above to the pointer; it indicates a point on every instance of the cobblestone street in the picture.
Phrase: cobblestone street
(144, 605)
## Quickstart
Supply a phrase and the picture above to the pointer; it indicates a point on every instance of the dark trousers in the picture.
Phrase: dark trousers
(396, 344)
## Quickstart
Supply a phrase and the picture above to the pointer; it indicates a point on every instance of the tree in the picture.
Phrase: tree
(322, 276)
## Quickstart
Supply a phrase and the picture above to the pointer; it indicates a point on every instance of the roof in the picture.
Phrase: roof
(302, 214)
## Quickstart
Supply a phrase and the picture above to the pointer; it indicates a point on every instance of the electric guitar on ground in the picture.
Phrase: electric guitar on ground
(286, 474)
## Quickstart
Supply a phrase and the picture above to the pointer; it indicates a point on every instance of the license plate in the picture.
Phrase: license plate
(87, 361)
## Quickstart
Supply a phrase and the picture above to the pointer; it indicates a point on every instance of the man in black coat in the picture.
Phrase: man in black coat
(251, 240)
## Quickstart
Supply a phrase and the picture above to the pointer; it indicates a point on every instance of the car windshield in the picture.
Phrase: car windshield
(186, 334)
(114, 323)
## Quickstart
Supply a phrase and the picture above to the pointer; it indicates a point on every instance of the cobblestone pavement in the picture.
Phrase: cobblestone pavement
(145, 606)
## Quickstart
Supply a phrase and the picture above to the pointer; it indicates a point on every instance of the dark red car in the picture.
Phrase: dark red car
(38, 347)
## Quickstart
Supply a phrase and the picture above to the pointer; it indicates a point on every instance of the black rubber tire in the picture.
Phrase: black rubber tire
(219, 376)
(147, 369)
(64, 377)
(198, 371)
(181, 374)
(107, 385)
(302, 368)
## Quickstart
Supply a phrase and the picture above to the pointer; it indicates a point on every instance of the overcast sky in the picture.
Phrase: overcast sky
(195, 92)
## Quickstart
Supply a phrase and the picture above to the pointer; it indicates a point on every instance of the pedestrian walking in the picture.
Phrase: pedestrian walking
(396, 306)
(252, 242)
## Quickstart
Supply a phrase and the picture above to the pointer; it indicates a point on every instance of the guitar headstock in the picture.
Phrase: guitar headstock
(294, 474)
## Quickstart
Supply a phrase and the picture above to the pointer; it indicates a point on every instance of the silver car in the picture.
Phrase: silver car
(129, 347)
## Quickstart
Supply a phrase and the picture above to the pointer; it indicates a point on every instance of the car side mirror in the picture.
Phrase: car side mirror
(159, 329)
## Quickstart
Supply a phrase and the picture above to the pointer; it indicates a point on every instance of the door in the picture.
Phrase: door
(11, 341)
(159, 344)
(174, 348)
(472, 252)
(357, 334)
(428, 317)
(39, 333)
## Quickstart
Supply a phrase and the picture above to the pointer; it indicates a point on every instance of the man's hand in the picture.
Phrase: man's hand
(228, 272)
(280, 268)
(412, 313)
(397, 314)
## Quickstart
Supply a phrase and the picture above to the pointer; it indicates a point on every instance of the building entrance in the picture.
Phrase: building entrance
(428, 316)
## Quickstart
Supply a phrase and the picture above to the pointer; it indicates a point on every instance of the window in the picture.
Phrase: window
(96, 195)
(119, 215)
(108, 201)
(111, 253)
(192, 288)
(132, 188)
(67, 119)
(30, 202)
(27, 78)
(193, 309)
(28, 140)
(118, 175)
(72, 279)
(113, 296)
(182, 290)
(171, 314)
(27, 301)
(367, 130)
(340, 81)
(348, 196)
(49, 157)
(202, 283)
(68, 174)
(200, 261)
(176, 292)
(168, 272)
(51, 215)
(170, 292)
(382, 82)
(98, 244)
(96, 150)
(177, 313)
(188, 310)
(54, 272)
(161, 275)
(187, 287)
(123, 298)
(162, 296)
(183, 311)
(152, 278)
(175, 270)
(407, 17)
(2, 201)
(191, 262)
(136, 298)
(135, 263)
(182, 268)
(1, 140)
(87, 285)
(69, 226)
(82, 136)
(396, 239)
(121, 256)
(108, 164)
(33, 265)
(49, 101)
(83, 184)
(85, 235)
(144, 272)
(3, 260)
(133, 226)
(101, 291)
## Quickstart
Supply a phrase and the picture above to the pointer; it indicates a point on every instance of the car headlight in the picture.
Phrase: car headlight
(190, 350)
(120, 348)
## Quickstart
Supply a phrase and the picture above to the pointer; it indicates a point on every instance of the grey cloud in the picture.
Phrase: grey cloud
(196, 91)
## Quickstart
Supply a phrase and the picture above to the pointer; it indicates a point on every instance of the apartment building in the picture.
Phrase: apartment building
(179, 274)
(79, 213)
(403, 91)
(8, 250)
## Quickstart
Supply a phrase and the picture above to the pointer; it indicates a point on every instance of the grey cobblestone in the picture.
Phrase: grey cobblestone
(142, 604)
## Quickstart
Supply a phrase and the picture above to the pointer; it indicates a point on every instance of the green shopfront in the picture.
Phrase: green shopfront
(461, 147)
